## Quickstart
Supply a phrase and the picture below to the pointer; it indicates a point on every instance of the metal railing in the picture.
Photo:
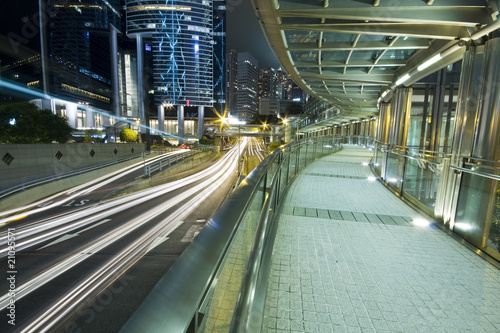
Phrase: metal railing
(218, 283)
(413, 173)
(166, 162)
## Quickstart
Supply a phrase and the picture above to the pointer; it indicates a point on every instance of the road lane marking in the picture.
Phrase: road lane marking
(69, 236)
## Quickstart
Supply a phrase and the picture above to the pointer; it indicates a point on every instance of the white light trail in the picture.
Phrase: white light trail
(202, 191)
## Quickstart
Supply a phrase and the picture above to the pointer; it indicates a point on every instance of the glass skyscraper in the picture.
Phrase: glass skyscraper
(219, 55)
(182, 42)
(60, 51)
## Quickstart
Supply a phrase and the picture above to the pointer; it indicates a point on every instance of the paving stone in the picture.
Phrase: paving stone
(311, 212)
(335, 215)
(382, 274)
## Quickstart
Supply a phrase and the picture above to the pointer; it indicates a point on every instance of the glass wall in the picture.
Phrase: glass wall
(448, 165)
(494, 234)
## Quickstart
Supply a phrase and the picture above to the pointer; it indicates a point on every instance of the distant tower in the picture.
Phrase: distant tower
(231, 80)
(267, 83)
(219, 55)
(248, 86)
(182, 41)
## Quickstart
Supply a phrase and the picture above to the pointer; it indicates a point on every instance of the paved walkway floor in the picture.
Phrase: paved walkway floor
(348, 257)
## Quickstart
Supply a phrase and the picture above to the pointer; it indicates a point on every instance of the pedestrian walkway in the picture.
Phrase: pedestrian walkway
(349, 256)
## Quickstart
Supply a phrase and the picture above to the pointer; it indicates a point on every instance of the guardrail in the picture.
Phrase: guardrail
(160, 164)
(217, 282)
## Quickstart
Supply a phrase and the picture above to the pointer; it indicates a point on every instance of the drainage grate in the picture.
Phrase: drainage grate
(348, 216)
(334, 176)
(8, 158)
(115, 151)
(58, 155)
(92, 153)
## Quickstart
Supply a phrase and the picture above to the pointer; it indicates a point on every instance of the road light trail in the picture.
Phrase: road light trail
(123, 260)
(202, 189)
(53, 228)
(85, 188)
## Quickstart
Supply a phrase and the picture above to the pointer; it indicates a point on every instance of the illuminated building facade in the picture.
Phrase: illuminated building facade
(182, 39)
(232, 80)
(60, 51)
(248, 86)
(219, 55)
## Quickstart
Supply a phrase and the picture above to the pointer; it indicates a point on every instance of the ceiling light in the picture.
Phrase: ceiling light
(429, 62)
(402, 79)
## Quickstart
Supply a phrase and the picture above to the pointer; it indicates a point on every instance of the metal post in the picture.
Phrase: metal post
(140, 81)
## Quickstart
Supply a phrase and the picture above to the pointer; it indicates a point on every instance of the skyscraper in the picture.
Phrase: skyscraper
(181, 33)
(267, 83)
(248, 86)
(231, 80)
(219, 55)
(63, 51)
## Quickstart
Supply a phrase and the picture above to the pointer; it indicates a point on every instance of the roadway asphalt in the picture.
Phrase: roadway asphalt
(104, 309)
(136, 282)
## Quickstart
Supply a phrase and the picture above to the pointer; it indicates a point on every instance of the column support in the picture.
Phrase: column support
(161, 118)
(180, 123)
(201, 121)
(140, 82)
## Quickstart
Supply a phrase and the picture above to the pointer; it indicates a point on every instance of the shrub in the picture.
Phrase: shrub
(128, 135)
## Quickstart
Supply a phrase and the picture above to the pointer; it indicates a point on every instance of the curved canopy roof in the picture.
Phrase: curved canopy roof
(350, 52)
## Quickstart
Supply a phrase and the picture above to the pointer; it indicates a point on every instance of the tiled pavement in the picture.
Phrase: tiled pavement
(348, 258)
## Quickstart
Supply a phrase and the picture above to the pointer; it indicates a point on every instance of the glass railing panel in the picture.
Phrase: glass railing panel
(302, 155)
(219, 311)
(394, 171)
(421, 181)
(284, 175)
(494, 233)
(293, 162)
(472, 208)
(377, 159)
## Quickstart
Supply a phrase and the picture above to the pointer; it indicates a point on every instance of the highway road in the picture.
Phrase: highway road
(79, 263)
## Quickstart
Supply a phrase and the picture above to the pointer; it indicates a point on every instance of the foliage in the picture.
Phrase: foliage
(128, 135)
(207, 141)
(273, 145)
(89, 135)
(25, 123)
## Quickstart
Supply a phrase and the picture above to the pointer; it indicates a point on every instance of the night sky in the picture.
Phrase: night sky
(245, 34)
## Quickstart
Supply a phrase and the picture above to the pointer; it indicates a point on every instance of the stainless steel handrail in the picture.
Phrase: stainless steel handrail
(175, 301)
(244, 318)
(477, 173)
(188, 281)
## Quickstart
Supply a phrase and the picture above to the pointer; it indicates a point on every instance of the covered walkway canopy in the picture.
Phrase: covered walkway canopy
(354, 53)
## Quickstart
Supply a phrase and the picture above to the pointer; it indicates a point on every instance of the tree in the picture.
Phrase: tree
(92, 135)
(128, 135)
(25, 123)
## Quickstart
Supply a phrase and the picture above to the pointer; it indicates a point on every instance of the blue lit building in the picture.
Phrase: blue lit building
(182, 40)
